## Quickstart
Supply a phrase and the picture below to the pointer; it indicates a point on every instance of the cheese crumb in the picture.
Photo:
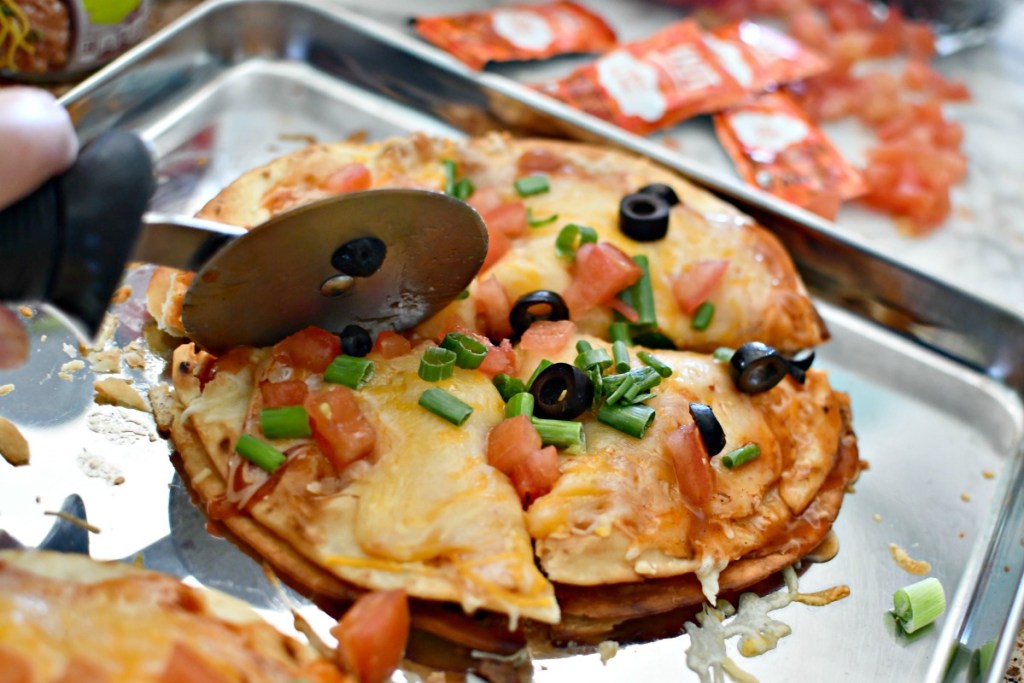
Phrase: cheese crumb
(965, 497)
(988, 474)
(68, 368)
(108, 360)
(607, 649)
(70, 350)
(26, 311)
(907, 564)
(6, 389)
(119, 392)
(877, 517)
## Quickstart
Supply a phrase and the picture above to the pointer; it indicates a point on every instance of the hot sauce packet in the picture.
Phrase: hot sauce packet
(652, 83)
(760, 57)
(777, 148)
(518, 32)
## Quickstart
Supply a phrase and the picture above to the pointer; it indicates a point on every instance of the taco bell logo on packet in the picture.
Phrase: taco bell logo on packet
(771, 133)
(731, 59)
(525, 30)
(633, 85)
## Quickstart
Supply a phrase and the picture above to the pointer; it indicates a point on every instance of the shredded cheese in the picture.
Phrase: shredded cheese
(15, 30)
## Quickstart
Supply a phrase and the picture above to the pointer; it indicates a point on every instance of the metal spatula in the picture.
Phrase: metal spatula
(382, 259)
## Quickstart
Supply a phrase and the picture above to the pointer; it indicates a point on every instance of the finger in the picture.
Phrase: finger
(38, 140)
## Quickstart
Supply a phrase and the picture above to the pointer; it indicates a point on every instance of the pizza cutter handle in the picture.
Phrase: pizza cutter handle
(67, 243)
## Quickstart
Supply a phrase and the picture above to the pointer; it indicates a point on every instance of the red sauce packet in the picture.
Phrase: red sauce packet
(652, 83)
(777, 148)
(761, 58)
(517, 32)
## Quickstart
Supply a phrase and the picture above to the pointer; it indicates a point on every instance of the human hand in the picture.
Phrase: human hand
(37, 141)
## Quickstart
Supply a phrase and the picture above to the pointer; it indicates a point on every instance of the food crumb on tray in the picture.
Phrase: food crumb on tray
(908, 564)
(13, 446)
(607, 649)
(68, 369)
(96, 467)
(119, 391)
(6, 389)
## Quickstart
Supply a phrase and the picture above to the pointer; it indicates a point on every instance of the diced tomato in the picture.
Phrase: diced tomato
(391, 345)
(499, 359)
(918, 40)
(623, 309)
(14, 667)
(536, 474)
(509, 219)
(692, 465)
(290, 392)
(348, 178)
(494, 306)
(497, 245)
(13, 339)
(548, 336)
(602, 270)
(849, 15)
(339, 426)
(485, 198)
(692, 285)
(311, 349)
(372, 635)
(510, 442)
(541, 160)
(810, 29)
(185, 664)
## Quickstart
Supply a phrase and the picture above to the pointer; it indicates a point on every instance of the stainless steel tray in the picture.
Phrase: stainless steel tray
(934, 375)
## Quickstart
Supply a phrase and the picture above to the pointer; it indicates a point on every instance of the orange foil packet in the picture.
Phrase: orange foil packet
(777, 148)
(517, 32)
(760, 57)
(652, 83)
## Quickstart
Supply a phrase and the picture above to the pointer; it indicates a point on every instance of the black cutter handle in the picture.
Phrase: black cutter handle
(67, 243)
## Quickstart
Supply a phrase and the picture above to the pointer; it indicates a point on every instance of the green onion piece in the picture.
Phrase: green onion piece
(597, 379)
(539, 222)
(919, 604)
(620, 354)
(583, 345)
(437, 364)
(463, 189)
(643, 382)
(508, 386)
(285, 423)
(532, 184)
(540, 368)
(520, 404)
(259, 453)
(702, 316)
(463, 295)
(351, 371)
(592, 357)
(643, 292)
(653, 361)
(619, 389)
(562, 434)
(628, 297)
(743, 454)
(723, 354)
(640, 398)
(653, 339)
(441, 403)
(469, 352)
(984, 660)
(619, 331)
(630, 419)
(449, 176)
(572, 237)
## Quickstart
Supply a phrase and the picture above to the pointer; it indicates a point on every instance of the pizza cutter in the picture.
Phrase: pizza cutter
(381, 259)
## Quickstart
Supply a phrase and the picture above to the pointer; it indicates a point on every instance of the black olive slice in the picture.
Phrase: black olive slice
(542, 304)
(355, 341)
(757, 367)
(561, 392)
(799, 364)
(360, 257)
(643, 217)
(711, 432)
(661, 190)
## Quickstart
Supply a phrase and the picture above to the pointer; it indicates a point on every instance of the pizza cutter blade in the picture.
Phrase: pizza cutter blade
(381, 259)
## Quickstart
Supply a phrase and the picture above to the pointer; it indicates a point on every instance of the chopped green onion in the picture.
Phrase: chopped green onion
(620, 354)
(597, 379)
(561, 434)
(630, 419)
(469, 352)
(532, 184)
(628, 297)
(643, 382)
(653, 361)
(919, 604)
(441, 403)
(653, 339)
(582, 346)
(640, 398)
(743, 454)
(437, 364)
(539, 222)
(259, 453)
(702, 316)
(541, 366)
(643, 293)
(984, 659)
(508, 386)
(572, 237)
(723, 354)
(619, 331)
(463, 295)
(619, 390)
(351, 371)
(464, 189)
(449, 176)
(520, 404)
(285, 423)
(593, 357)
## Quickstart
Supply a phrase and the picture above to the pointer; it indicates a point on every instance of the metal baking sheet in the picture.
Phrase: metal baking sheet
(935, 376)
